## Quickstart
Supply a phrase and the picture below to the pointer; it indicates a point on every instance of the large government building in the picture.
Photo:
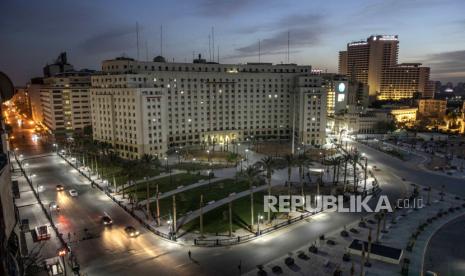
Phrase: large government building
(147, 107)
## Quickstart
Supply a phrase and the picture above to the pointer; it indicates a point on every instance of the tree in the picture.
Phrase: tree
(268, 165)
(385, 126)
(355, 158)
(290, 161)
(252, 176)
(334, 161)
(345, 159)
(302, 161)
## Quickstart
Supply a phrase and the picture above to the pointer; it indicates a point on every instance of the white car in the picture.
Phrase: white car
(73, 192)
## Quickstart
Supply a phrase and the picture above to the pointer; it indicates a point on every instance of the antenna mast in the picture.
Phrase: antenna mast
(213, 44)
(288, 42)
(209, 48)
(137, 39)
(161, 40)
(259, 51)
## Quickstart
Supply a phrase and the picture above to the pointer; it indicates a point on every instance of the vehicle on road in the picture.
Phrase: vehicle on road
(60, 188)
(42, 232)
(106, 220)
(73, 192)
(131, 231)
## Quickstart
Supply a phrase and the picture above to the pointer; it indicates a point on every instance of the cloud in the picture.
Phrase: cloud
(304, 30)
(219, 8)
(120, 39)
(447, 65)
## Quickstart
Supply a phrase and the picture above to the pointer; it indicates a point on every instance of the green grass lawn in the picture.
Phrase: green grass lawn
(217, 220)
(165, 184)
(190, 200)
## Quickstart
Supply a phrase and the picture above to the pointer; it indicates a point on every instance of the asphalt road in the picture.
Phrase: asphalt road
(109, 251)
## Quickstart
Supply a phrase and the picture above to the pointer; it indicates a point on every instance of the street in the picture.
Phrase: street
(108, 251)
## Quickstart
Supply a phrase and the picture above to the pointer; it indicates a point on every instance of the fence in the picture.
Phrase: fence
(202, 242)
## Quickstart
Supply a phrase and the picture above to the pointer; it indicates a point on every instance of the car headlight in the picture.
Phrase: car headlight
(137, 232)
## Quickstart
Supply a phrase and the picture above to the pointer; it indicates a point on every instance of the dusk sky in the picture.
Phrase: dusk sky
(35, 32)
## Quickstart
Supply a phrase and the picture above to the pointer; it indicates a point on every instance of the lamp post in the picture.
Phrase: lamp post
(62, 253)
(208, 153)
(246, 156)
(365, 169)
(259, 218)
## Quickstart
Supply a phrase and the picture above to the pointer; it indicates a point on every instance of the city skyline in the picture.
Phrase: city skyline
(90, 34)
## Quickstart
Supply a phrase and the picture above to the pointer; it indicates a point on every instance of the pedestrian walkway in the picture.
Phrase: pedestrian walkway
(182, 189)
(395, 231)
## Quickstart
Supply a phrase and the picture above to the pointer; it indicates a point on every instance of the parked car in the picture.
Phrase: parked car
(106, 220)
(131, 231)
(73, 192)
(60, 188)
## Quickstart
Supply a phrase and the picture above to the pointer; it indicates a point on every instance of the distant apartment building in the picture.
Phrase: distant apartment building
(343, 94)
(432, 108)
(147, 107)
(60, 65)
(402, 114)
(21, 100)
(33, 89)
(366, 122)
(65, 102)
(374, 62)
(342, 68)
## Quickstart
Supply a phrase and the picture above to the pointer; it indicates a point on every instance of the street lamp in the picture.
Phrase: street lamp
(246, 156)
(62, 253)
(259, 218)
(208, 153)
(365, 169)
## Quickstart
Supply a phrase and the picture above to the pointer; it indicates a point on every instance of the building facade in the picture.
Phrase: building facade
(431, 108)
(33, 89)
(374, 62)
(65, 102)
(147, 107)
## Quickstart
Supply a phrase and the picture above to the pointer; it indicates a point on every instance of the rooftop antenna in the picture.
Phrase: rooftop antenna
(209, 48)
(161, 40)
(218, 55)
(213, 44)
(193, 56)
(137, 35)
(259, 51)
(288, 42)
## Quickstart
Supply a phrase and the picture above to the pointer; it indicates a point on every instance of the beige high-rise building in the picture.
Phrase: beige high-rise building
(147, 107)
(374, 62)
(342, 68)
(65, 102)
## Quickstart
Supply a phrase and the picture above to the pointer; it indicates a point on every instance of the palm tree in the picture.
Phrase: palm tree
(252, 176)
(302, 161)
(290, 161)
(355, 158)
(334, 161)
(268, 164)
(345, 159)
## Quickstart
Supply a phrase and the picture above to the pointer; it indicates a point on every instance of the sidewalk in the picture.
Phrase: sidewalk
(29, 209)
